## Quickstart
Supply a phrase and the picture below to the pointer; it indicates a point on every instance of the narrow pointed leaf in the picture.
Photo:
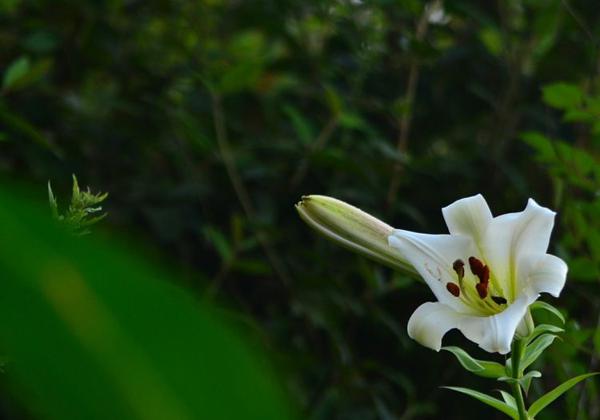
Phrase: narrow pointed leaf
(509, 399)
(548, 398)
(17, 70)
(486, 399)
(53, 202)
(535, 349)
(542, 329)
(547, 307)
(465, 359)
(525, 381)
(483, 368)
(76, 191)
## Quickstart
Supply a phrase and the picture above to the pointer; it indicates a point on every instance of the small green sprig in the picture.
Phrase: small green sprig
(84, 211)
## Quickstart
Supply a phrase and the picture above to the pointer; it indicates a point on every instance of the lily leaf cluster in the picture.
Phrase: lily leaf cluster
(530, 348)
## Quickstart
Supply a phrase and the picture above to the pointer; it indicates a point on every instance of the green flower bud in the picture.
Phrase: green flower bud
(352, 228)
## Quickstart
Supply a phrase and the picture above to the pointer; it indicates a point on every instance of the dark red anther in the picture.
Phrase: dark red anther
(480, 270)
(485, 275)
(453, 288)
(499, 300)
(482, 289)
(476, 266)
(459, 267)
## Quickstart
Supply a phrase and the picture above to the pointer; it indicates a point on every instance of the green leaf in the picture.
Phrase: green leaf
(301, 124)
(525, 381)
(509, 399)
(486, 399)
(333, 100)
(549, 397)
(53, 202)
(17, 70)
(115, 330)
(547, 307)
(483, 368)
(562, 95)
(492, 39)
(545, 150)
(220, 242)
(543, 329)
(535, 349)
(465, 359)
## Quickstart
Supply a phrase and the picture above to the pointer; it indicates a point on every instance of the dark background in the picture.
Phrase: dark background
(206, 122)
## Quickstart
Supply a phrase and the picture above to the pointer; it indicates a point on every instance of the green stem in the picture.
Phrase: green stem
(517, 352)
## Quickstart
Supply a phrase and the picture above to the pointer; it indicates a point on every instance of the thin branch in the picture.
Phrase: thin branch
(240, 189)
(586, 30)
(409, 98)
(317, 145)
(579, 21)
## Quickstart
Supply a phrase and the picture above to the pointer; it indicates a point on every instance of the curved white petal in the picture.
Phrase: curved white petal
(547, 275)
(468, 216)
(432, 320)
(513, 240)
(432, 256)
(495, 333)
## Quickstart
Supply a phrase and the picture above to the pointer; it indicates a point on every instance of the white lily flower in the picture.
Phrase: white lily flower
(484, 274)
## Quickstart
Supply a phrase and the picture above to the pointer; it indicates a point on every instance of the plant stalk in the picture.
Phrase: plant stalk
(517, 353)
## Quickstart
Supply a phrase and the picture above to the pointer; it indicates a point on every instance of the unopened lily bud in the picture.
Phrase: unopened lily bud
(352, 228)
(526, 326)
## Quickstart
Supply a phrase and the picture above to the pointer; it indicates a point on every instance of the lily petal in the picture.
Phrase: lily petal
(432, 256)
(432, 320)
(513, 240)
(495, 333)
(468, 216)
(548, 275)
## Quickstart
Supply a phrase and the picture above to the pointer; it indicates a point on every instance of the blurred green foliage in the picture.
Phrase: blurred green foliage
(91, 332)
(206, 121)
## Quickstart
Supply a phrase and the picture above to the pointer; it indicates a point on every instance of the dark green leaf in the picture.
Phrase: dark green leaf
(549, 397)
(483, 368)
(541, 305)
(220, 242)
(562, 95)
(525, 381)
(509, 399)
(535, 349)
(486, 399)
(542, 329)
(17, 70)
